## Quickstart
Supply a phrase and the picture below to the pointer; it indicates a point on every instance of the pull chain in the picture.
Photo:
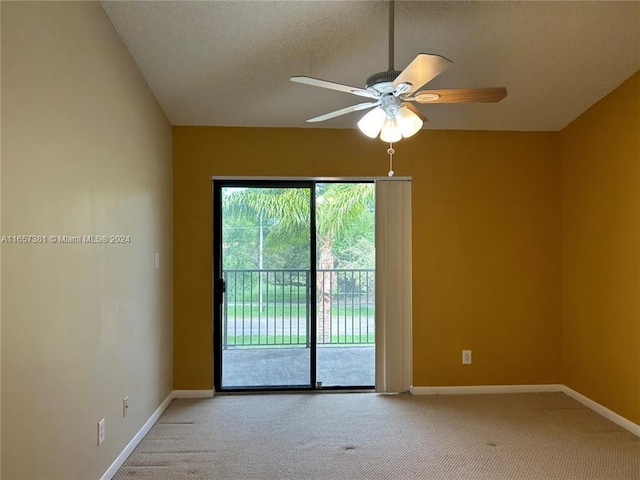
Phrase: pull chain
(391, 151)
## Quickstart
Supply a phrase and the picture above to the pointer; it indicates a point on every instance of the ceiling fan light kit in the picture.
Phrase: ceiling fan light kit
(393, 116)
(392, 122)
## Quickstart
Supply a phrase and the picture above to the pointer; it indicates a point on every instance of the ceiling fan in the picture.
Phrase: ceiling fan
(394, 116)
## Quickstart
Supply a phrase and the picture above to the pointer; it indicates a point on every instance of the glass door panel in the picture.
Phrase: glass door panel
(345, 284)
(265, 319)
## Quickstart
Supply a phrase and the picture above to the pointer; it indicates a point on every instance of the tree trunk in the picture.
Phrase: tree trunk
(325, 282)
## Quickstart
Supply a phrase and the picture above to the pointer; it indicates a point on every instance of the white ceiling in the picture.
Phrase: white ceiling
(228, 63)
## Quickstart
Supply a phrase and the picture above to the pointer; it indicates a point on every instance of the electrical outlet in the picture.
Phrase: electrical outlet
(466, 357)
(157, 259)
(101, 431)
(125, 406)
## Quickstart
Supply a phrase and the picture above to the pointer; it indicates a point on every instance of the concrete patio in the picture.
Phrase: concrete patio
(344, 366)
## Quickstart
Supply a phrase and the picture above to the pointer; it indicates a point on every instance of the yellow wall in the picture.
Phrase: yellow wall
(601, 251)
(486, 241)
(86, 150)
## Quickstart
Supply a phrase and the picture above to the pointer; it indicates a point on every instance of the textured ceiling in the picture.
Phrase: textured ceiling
(228, 63)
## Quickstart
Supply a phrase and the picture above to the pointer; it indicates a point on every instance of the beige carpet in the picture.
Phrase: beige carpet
(543, 436)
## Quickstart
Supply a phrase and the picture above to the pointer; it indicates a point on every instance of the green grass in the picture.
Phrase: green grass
(286, 340)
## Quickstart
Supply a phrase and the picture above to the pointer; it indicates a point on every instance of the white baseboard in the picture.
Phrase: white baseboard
(119, 461)
(482, 389)
(193, 394)
(604, 411)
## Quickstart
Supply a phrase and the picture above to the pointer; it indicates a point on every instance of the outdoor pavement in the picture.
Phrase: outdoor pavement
(349, 366)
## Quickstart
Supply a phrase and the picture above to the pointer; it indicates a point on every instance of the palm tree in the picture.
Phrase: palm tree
(341, 209)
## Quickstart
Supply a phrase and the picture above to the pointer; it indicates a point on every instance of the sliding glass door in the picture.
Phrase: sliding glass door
(293, 285)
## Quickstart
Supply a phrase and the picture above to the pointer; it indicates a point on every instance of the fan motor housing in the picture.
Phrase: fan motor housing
(381, 82)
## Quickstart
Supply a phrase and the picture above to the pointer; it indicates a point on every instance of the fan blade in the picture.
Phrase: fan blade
(343, 111)
(461, 95)
(415, 110)
(315, 82)
(425, 67)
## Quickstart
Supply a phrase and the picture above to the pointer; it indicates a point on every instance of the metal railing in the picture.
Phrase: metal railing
(270, 308)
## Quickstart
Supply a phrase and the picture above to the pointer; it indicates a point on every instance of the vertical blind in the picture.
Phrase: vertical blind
(394, 371)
